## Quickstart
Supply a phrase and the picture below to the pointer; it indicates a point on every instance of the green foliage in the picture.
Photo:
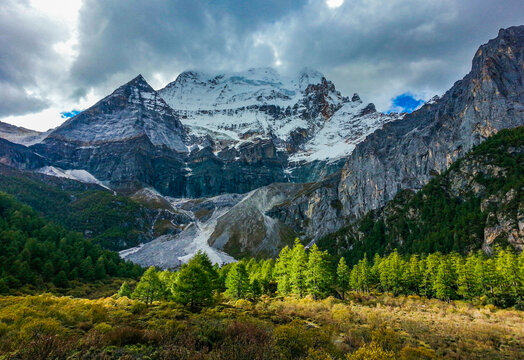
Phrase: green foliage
(124, 290)
(150, 288)
(194, 283)
(237, 281)
(115, 222)
(298, 268)
(342, 277)
(39, 254)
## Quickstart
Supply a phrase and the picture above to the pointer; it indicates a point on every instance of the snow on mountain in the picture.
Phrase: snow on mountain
(20, 135)
(132, 110)
(236, 106)
(303, 114)
(75, 174)
(342, 132)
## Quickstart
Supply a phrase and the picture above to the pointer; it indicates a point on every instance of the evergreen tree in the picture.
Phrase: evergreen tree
(430, 264)
(507, 282)
(466, 282)
(360, 278)
(237, 281)
(125, 290)
(281, 272)
(412, 277)
(193, 285)
(297, 268)
(150, 288)
(203, 260)
(318, 273)
(445, 280)
(343, 274)
(265, 278)
(99, 269)
(61, 280)
(391, 273)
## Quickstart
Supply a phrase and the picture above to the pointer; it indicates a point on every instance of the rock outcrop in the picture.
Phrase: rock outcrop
(406, 153)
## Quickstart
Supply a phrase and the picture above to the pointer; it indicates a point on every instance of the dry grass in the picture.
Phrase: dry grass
(363, 326)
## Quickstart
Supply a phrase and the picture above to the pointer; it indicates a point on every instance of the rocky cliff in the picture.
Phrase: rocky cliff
(407, 153)
(477, 203)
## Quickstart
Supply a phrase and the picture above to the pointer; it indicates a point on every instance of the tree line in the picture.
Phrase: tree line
(35, 252)
(300, 272)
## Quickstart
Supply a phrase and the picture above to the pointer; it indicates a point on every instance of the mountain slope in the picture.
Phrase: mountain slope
(35, 252)
(234, 108)
(20, 135)
(113, 221)
(133, 110)
(476, 204)
(127, 140)
(230, 133)
(407, 153)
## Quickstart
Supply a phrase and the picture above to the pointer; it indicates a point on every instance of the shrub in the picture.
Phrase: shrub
(371, 351)
(417, 353)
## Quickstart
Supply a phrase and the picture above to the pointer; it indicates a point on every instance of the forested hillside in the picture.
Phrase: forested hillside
(477, 203)
(37, 254)
(114, 221)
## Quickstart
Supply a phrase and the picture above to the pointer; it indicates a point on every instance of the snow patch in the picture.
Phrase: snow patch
(74, 174)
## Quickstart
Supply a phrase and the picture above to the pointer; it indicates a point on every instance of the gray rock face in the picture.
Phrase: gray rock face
(248, 227)
(407, 153)
(404, 154)
(20, 135)
(227, 135)
(19, 156)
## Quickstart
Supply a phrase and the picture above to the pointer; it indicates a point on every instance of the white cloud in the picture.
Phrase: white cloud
(334, 3)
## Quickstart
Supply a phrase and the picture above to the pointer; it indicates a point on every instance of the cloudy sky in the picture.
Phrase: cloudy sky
(60, 56)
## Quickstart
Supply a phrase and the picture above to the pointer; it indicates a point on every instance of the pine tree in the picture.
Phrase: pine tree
(343, 274)
(100, 269)
(125, 290)
(237, 281)
(360, 278)
(391, 273)
(298, 266)
(193, 285)
(507, 279)
(203, 260)
(445, 280)
(430, 264)
(149, 288)
(318, 273)
(266, 277)
(60, 279)
(281, 272)
(412, 277)
(466, 282)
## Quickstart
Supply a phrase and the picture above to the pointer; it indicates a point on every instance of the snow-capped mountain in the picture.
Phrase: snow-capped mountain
(299, 114)
(205, 135)
(133, 110)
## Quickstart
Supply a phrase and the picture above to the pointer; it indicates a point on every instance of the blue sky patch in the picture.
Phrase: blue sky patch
(405, 102)
(69, 114)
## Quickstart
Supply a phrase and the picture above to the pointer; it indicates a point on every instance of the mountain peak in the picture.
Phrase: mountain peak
(138, 82)
(134, 109)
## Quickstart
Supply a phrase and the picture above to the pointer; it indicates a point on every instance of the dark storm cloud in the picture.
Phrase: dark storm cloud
(408, 45)
(156, 35)
(380, 49)
(26, 57)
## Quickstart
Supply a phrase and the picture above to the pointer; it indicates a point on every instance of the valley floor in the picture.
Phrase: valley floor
(365, 326)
